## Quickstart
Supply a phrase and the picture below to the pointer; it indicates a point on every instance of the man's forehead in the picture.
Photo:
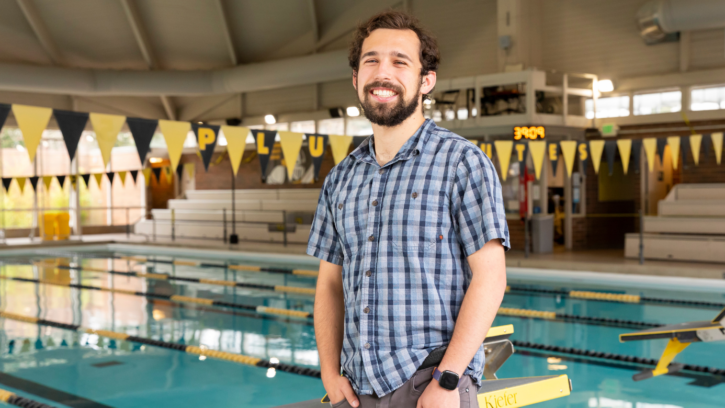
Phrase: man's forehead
(386, 41)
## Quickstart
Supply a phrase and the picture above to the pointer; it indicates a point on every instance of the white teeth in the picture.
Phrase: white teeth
(384, 93)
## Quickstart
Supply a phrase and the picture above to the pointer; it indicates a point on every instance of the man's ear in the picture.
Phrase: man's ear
(354, 79)
(429, 82)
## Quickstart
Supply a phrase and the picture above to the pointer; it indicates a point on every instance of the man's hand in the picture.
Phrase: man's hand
(338, 388)
(435, 396)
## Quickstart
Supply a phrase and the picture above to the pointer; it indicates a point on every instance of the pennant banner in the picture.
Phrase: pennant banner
(340, 146)
(503, 151)
(110, 177)
(142, 131)
(625, 148)
(157, 173)
(46, 181)
(71, 125)
(554, 157)
(86, 179)
(175, 134)
(107, 128)
(685, 150)
(4, 111)
(316, 145)
(538, 150)
(122, 176)
(189, 169)
(99, 179)
(596, 147)
(717, 145)
(520, 152)
(583, 156)
(674, 143)
(34, 182)
(265, 142)
(32, 121)
(134, 175)
(650, 147)
(236, 143)
(6, 182)
(568, 150)
(695, 142)
(73, 181)
(21, 183)
(206, 138)
(661, 143)
(610, 150)
(636, 154)
(291, 143)
(147, 175)
(61, 180)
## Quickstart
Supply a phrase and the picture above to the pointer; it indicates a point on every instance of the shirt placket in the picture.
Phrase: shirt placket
(368, 295)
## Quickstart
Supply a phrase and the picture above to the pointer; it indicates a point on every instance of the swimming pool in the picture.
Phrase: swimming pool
(174, 298)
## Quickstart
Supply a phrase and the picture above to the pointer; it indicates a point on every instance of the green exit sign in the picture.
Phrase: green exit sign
(609, 129)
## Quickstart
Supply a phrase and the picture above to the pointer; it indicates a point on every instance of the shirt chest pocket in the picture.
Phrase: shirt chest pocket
(416, 222)
(351, 213)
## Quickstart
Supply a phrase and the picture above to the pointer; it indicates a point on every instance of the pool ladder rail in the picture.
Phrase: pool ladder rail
(680, 335)
(495, 392)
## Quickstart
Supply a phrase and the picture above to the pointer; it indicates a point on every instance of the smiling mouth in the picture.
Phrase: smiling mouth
(383, 94)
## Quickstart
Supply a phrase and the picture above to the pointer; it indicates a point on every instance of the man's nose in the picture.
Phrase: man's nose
(384, 72)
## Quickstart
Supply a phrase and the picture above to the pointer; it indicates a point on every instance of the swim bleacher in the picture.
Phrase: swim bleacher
(690, 226)
(259, 215)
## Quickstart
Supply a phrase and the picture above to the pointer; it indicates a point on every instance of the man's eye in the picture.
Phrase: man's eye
(371, 60)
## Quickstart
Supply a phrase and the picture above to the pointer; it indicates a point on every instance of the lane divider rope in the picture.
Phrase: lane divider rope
(175, 298)
(202, 351)
(11, 398)
(246, 268)
(539, 314)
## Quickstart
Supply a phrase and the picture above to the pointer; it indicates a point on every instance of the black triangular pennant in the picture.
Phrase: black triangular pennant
(316, 144)
(583, 151)
(34, 182)
(86, 179)
(157, 173)
(610, 150)
(206, 138)
(110, 176)
(61, 180)
(142, 131)
(4, 110)
(134, 174)
(553, 150)
(661, 143)
(685, 150)
(264, 149)
(180, 171)
(6, 182)
(636, 154)
(356, 140)
(71, 125)
(706, 144)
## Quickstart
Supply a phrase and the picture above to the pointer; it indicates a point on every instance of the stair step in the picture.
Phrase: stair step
(699, 248)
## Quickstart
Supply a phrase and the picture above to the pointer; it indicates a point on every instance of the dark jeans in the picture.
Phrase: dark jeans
(407, 395)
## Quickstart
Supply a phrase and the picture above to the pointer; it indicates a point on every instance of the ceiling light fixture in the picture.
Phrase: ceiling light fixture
(605, 85)
(270, 119)
(353, 111)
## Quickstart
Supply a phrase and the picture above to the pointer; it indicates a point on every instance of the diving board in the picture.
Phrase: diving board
(680, 337)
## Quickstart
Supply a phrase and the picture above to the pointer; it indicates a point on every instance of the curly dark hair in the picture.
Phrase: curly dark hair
(397, 20)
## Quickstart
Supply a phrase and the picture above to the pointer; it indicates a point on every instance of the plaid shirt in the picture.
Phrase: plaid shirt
(402, 233)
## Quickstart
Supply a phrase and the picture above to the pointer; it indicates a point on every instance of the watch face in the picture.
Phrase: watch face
(448, 380)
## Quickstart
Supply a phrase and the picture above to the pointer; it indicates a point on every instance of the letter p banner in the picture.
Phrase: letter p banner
(206, 137)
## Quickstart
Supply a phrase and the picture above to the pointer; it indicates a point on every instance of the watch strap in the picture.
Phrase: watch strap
(437, 376)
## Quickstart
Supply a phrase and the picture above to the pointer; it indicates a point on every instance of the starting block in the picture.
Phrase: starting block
(680, 336)
(494, 392)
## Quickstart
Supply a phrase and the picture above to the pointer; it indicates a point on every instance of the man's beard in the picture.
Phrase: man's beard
(382, 114)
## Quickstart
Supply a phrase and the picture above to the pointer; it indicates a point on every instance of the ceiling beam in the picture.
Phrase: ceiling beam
(41, 31)
(313, 20)
(144, 44)
(227, 33)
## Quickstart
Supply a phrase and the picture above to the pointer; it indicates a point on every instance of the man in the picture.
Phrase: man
(411, 232)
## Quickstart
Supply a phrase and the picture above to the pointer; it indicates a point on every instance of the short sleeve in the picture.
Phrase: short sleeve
(324, 241)
(477, 203)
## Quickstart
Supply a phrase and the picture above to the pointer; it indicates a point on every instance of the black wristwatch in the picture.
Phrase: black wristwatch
(447, 379)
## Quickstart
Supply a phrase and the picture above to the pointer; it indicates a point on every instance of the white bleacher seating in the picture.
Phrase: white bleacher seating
(690, 226)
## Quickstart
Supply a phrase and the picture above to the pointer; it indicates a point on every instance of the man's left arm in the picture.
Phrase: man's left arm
(479, 308)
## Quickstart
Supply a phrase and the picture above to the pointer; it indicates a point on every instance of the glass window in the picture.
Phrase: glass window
(659, 102)
(613, 107)
(359, 127)
(334, 126)
(307, 126)
(710, 98)
(278, 126)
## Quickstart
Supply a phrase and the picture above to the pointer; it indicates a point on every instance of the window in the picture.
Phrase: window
(278, 126)
(613, 107)
(710, 98)
(334, 126)
(307, 126)
(359, 127)
(659, 102)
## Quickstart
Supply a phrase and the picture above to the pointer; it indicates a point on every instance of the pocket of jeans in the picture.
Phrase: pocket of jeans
(342, 403)
(420, 381)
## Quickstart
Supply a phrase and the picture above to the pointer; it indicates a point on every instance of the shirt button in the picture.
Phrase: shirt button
(367, 346)
(367, 310)
(381, 171)
(415, 195)
(371, 238)
(368, 273)
(375, 203)
(339, 207)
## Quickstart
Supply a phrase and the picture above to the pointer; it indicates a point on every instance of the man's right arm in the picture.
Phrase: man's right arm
(329, 329)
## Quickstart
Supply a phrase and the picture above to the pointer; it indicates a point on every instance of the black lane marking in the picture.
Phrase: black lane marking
(106, 364)
(48, 393)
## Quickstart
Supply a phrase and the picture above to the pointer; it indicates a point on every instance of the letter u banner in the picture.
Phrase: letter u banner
(316, 144)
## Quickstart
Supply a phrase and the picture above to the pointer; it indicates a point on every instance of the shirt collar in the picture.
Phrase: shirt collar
(412, 147)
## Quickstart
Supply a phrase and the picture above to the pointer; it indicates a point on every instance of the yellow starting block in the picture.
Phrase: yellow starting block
(500, 393)
(56, 226)
(680, 336)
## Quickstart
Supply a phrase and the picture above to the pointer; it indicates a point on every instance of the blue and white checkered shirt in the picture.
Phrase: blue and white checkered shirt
(402, 233)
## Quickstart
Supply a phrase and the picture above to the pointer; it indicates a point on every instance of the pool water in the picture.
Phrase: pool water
(71, 368)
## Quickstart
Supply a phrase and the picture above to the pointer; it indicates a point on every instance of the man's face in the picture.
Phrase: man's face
(388, 81)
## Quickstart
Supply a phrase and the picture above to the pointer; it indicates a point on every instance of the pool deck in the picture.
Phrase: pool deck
(609, 261)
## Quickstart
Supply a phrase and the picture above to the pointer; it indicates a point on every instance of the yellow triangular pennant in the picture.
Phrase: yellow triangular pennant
(717, 145)
(21, 183)
(486, 147)
(674, 142)
(650, 148)
(147, 175)
(538, 149)
(99, 179)
(339, 145)
(596, 147)
(175, 134)
(190, 169)
(695, 143)
(236, 143)
(47, 180)
(503, 151)
(107, 128)
(625, 149)
(122, 175)
(32, 121)
(568, 150)
(291, 143)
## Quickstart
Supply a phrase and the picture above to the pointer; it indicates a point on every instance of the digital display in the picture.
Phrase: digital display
(529, 132)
